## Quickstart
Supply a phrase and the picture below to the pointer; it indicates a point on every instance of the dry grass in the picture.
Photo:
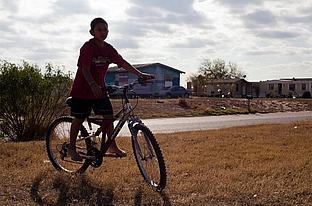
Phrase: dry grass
(254, 165)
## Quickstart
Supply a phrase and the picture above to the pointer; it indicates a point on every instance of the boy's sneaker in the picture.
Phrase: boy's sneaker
(75, 156)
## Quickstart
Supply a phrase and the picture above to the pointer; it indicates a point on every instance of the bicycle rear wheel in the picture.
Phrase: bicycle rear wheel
(149, 157)
(57, 141)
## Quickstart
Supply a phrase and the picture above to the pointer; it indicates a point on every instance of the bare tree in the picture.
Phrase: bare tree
(214, 70)
(217, 69)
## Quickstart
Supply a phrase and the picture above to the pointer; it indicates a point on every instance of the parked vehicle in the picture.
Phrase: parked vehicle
(171, 92)
(177, 91)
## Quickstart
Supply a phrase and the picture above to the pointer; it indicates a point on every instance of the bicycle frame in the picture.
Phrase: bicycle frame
(125, 115)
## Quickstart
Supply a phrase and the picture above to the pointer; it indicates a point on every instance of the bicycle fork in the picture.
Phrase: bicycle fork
(132, 122)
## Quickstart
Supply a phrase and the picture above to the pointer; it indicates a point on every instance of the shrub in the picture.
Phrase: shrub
(30, 100)
(183, 103)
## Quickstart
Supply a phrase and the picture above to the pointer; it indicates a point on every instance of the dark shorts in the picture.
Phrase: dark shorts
(81, 108)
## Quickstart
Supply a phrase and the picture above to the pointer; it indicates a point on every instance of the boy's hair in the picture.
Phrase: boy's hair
(96, 21)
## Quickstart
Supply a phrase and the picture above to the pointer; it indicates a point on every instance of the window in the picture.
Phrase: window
(271, 86)
(303, 87)
(168, 80)
(292, 87)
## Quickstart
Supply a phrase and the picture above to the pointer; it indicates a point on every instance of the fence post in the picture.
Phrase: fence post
(249, 98)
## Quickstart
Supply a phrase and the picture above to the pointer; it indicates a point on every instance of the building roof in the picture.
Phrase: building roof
(299, 79)
(287, 80)
(141, 66)
(226, 81)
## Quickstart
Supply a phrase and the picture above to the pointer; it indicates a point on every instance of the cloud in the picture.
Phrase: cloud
(6, 27)
(288, 51)
(297, 69)
(174, 6)
(305, 7)
(263, 23)
(70, 7)
(259, 18)
(166, 12)
(277, 34)
(160, 18)
(45, 54)
(239, 3)
(125, 43)
(131, 29)
(192, 43)
(175, 32)
(261, 51)
(298, 19)
(8, 6)
(238, 6)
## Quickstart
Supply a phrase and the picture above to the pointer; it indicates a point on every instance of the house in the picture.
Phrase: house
(225, 88)
(165, 77)
(295, 87)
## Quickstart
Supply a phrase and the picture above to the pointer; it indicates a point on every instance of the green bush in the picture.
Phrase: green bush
(29, 99)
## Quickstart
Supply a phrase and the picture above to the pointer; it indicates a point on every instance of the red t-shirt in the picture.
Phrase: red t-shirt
(98, 58)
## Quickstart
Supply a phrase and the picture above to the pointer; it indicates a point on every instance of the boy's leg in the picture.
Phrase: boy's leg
(74, 130)
(104, 107)
(107, 129)
(80, 109)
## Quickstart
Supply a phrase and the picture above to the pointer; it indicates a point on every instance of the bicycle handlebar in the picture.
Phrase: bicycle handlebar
(126, 87)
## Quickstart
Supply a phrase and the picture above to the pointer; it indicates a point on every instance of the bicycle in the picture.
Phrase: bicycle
(147, 152)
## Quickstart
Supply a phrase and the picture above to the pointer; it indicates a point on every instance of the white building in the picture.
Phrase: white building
(294, 87)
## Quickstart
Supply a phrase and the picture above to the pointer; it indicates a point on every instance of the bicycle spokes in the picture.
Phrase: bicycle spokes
(148, 162)
(58, 138)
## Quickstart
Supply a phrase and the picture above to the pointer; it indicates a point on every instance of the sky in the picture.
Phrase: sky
(267, 39)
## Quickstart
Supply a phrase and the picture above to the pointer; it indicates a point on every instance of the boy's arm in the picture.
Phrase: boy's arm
(135, 71)
(96, 89)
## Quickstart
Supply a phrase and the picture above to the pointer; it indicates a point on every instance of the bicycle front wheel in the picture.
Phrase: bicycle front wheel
(149, 157)
(57, 142)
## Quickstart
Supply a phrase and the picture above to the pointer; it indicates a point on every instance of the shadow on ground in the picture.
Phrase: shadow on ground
(64, 189)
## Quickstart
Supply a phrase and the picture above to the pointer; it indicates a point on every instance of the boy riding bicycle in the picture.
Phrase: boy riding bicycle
(88, 90)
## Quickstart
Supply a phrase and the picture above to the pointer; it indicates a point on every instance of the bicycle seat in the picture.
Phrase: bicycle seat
(68, 101)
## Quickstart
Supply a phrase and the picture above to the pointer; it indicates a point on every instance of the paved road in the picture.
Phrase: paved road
(170, 125)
